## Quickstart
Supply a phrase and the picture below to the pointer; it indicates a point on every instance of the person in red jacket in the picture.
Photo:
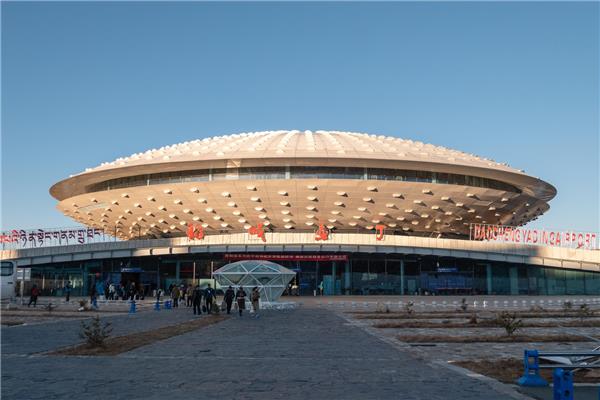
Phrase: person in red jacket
(35, 292)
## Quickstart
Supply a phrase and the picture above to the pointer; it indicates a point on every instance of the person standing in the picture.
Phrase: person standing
(132, 290)
(240, 297)
(196, 296)
(229, 296)
(35, 292)
(68, 288)
(255, 297)
(190, 295)
(111, 291)
(175, 296)
(209, 298)
(93, 300)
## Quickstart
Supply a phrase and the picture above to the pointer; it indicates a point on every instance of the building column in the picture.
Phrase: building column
(333, 277)
(513, 275)
(158, 275)
(84, 275)
(347, 277)
(177, 268)
(402, 277)
(488, 277)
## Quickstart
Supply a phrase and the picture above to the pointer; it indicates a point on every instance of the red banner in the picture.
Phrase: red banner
(287, 257)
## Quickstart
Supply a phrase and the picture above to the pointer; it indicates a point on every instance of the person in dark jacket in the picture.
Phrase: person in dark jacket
(240, 297)
(68, 288)
(35, 292)
(93, 297)
(209, 297)
(255, 299)
(196, 296)
(229, 296)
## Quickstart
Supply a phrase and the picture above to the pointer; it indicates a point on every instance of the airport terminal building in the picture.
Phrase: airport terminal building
(352, 213)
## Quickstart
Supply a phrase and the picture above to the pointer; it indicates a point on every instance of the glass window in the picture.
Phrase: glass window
(300, 172)
(6, 268)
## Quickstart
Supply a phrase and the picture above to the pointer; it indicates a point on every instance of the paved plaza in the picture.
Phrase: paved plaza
(299, 354)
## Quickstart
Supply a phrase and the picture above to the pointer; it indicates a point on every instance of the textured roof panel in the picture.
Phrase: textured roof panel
(294, 143)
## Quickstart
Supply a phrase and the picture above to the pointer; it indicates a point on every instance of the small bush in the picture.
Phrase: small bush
(585, 311)
(463, 305)
(567, 306)
(509, 322)
(473, 319)
(94, 333)
(84, 306)
(382, 308)
(409, 308)
(536, 308)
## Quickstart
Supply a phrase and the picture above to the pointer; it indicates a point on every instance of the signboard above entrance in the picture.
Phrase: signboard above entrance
(288, 257)
(532, 236)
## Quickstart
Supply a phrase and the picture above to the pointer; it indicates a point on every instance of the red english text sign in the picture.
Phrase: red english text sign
(540, 237)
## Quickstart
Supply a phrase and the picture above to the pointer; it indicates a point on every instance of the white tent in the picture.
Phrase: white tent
(271, 278)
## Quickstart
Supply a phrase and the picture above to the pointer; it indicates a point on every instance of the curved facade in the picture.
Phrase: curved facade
(348, 213)
(298, 180)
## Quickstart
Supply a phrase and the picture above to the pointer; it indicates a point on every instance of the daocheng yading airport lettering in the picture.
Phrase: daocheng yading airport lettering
(541, 237)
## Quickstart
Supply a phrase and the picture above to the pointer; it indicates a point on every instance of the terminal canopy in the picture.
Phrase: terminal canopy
(271, 278)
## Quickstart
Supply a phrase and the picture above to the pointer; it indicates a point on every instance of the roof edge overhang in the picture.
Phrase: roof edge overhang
(77, 184)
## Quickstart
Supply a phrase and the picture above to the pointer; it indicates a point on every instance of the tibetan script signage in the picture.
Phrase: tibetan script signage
(531, 236)
(21, 239)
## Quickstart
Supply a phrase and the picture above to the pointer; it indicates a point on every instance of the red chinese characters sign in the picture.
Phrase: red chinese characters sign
(379, 232)
(195, 232)
(322, 233)
(258, 231)
(531, 236)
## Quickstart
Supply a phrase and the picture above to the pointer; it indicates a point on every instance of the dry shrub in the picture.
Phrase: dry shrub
(509, 322)
(94, 333)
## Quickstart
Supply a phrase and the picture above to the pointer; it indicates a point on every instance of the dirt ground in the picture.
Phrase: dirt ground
(492, 339)
(38, 315)
(587, 323)
(121, 344)
(464, 315)
(451, 332)
(508, 370)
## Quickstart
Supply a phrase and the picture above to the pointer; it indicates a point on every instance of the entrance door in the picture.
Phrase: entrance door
(307, 277)
(128, 277)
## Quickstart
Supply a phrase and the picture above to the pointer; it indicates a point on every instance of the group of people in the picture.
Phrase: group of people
(192, 296)
(240, 297)
(185, 294)
(129, 291)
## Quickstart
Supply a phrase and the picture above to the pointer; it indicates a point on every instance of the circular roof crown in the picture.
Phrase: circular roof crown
(306, 144)
(294, 147)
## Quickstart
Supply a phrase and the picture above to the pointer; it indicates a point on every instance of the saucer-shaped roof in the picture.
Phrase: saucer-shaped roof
(295, 143)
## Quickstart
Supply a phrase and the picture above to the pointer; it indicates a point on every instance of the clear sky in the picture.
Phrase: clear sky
(84, 83)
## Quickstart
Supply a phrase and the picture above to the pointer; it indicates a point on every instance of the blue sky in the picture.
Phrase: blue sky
(84, 83)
